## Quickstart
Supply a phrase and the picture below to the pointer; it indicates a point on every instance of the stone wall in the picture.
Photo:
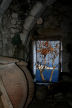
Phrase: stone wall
(12, 24)
(55, 17)
(56, 22)
(15, 22)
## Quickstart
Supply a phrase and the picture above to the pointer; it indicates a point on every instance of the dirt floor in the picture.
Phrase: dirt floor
(57, 102)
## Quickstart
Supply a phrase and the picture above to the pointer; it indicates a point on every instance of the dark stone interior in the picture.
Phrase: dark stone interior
(19, 28)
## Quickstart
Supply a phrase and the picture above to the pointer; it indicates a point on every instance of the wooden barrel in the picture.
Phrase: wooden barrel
(23, 66)
(17, 82)
(1, 104)
(7, 60)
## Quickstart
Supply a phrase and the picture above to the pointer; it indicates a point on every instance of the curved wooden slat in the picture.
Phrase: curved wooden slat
(15, 84)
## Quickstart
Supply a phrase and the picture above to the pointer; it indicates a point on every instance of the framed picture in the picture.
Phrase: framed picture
(47, 60)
